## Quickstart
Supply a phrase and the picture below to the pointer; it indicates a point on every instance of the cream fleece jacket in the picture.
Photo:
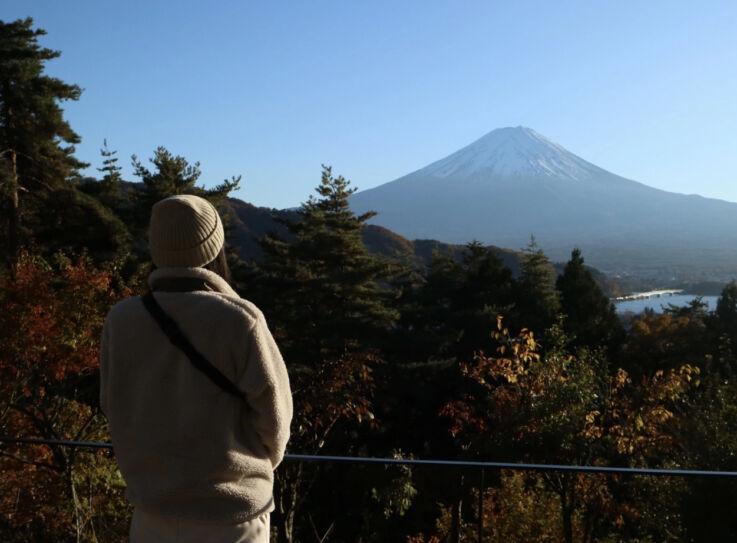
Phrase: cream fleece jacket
(185, 447)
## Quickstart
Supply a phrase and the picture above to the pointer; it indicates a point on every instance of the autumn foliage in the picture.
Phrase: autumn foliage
(562, 408)
(50, 325)
(332, 393)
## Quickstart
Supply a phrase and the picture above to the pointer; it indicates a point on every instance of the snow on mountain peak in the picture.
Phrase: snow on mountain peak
(513, 151)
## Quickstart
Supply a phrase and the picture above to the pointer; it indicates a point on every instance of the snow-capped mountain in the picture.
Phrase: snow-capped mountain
(513, 152)
(513, 183)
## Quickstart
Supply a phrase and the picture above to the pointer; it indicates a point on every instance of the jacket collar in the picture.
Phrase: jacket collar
(175, 278)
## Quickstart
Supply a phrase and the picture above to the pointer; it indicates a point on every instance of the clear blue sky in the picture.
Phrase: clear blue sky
(272, 90)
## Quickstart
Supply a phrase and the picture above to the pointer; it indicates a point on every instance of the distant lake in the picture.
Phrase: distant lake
(638, 306)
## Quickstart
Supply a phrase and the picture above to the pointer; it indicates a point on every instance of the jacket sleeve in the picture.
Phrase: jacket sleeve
(266, 385)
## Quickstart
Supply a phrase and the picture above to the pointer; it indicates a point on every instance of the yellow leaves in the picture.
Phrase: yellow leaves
(690, 374)
(659, 415)
(621, 378)
(624, 445)
(570, 399)
(488, 369)
(420, 538)
(639, 423)
(511, 365)
(591, 416)
(674, 383)
(640, 412)
(531, 344)
(591, 429)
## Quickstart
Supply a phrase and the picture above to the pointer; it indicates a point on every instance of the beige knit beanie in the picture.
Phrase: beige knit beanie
(185, 231)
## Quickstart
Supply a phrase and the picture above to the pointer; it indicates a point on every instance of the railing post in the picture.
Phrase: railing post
(481, 507)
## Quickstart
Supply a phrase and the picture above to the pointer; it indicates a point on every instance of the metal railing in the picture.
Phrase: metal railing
(481, 466)
(418, 462)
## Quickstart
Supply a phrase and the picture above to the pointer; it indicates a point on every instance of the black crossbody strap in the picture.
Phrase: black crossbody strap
(177, 338)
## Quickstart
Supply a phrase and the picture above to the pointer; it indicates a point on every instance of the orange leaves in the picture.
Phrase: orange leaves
(503, 377)
(50, 324)
(463, 416)
(51, 321)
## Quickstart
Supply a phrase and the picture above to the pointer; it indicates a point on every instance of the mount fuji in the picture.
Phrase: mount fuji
(513, 183)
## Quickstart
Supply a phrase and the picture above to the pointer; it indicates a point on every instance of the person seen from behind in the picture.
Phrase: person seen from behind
(195, 390)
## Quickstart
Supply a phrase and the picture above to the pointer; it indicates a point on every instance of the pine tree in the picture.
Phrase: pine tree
(726, 311)
(320, 292)
(591, 319)
(538, 301)
(172, 175)
(321, 295)
(111, 181)
(453, 311)
(486, 292)
(36, 143)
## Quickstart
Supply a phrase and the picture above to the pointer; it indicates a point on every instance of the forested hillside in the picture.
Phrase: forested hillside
(249, 225)
(442, 353)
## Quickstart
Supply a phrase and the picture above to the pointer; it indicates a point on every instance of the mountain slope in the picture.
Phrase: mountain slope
(247, 225)
(513, 183)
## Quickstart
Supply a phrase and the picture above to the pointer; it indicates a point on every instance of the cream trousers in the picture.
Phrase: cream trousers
(148, 528)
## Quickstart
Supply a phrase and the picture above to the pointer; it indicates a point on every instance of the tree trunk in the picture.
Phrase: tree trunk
(78, 524)
(286, 497)
(566, 511)
(456, 523)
